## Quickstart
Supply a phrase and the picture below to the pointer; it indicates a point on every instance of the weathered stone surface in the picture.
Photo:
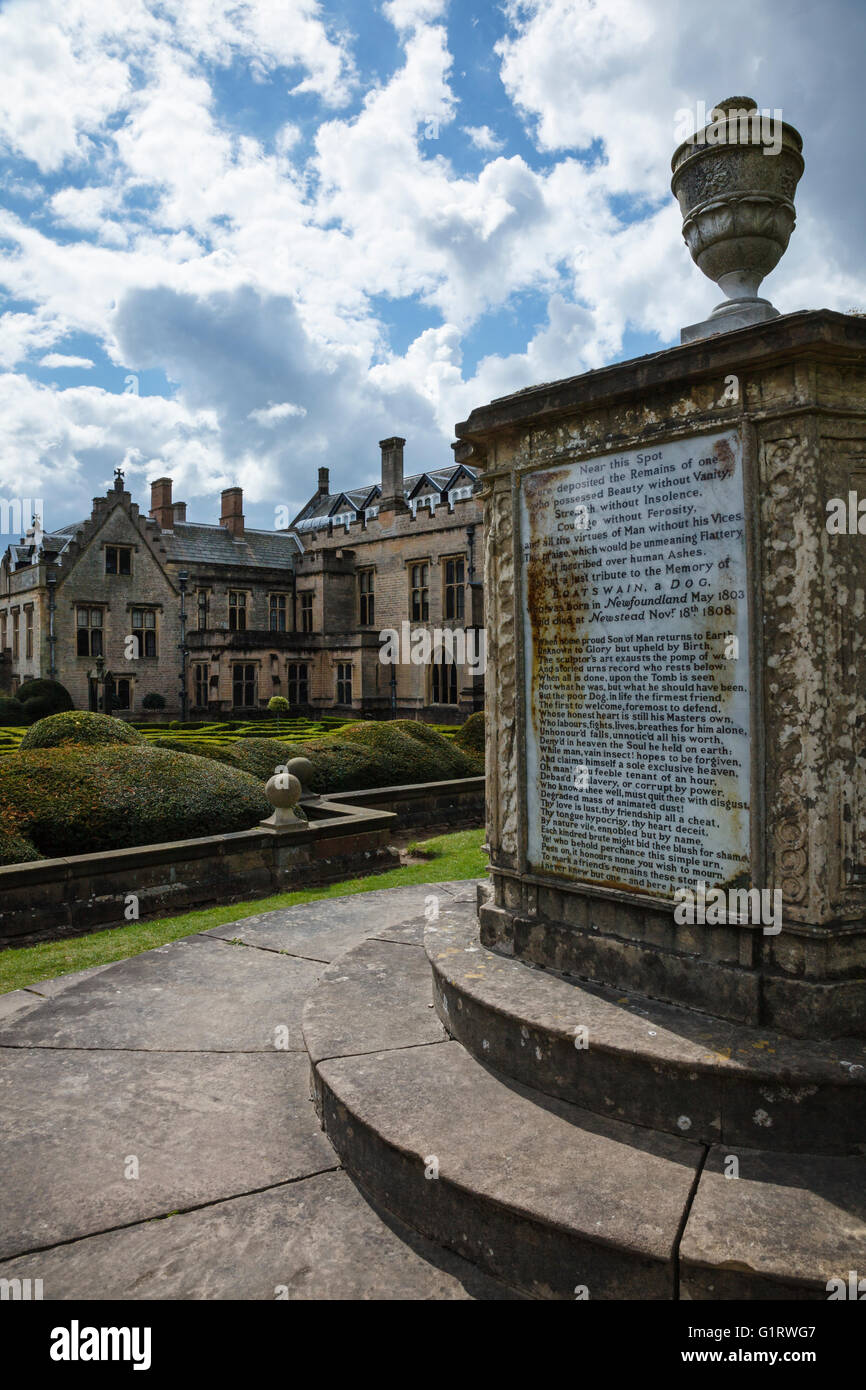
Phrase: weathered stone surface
(798, 400)
(782, 1229)
(318, 1238)
(202, 1127)
(375, 997)
(15, 1000)
(191, 995)
(49, 988)
(644, 1062)
(536, 1192)
(324, 929)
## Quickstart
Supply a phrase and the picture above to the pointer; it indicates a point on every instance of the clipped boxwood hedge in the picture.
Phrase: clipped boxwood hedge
(53, 697)
(79, 726)
(409, 750)
(470, 736)
(81, 799)
(14, 849)
(11, 710)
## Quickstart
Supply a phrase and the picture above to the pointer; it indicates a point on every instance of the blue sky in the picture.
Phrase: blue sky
(241, 240)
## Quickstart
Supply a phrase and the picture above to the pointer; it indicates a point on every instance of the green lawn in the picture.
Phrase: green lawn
(454, 856)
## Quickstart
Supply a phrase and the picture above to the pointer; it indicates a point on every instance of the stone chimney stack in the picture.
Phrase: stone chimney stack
(232, 517)
(161, 508)
(180, 511)
(324, 480)
(392, 499)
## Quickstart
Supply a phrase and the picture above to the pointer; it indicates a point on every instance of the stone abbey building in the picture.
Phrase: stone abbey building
(123, 605)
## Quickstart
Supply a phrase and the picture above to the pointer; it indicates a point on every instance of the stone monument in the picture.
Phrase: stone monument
(648, 1077)
(677, 645)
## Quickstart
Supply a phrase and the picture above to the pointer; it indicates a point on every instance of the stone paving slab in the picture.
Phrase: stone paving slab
(191, 995)
(317, 1239)
(13, 1001)
(201, 1126)
(368, 1002)
(325, 928)
(49, 988)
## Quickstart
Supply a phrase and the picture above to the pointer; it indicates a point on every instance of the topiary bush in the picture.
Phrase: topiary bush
(448, 753)
(340, 767)
(15, 848)
(11, 710)
(79, 726)
(153, 701)
(218, 752)
(38, 707)
(79, 800)
(470, 737)
(56, 697)
(260, 756)
(407, 755)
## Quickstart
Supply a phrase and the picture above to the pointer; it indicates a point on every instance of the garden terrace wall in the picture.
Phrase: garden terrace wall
(347, 835)
(456, 804)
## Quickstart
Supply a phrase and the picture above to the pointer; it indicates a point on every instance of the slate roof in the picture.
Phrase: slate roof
(191, 543)
(325, 504)
(195, 543)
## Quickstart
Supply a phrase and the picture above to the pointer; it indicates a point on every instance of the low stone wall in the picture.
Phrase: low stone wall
(346, 835)
(452, 805)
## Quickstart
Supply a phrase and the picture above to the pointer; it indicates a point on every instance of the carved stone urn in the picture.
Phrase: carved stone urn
(735, 181)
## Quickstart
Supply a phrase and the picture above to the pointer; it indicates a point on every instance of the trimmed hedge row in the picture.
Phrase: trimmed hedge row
(78, 726)
(470, 736)
(79, 799)
(34, 700)
(82, 782)
(356, 757)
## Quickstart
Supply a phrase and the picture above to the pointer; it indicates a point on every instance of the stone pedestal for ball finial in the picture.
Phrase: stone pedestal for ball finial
(283, 791)
(735, 181)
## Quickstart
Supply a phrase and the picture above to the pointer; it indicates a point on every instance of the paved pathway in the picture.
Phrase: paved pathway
(186, 1065)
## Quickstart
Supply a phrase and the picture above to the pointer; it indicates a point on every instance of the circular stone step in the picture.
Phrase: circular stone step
(644, 1062)
(554, 1201)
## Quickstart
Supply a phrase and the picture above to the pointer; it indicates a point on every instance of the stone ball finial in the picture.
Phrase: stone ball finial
(283, 792)
(303, 769)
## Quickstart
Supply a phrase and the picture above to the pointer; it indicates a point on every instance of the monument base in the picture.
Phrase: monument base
(733, 971)
(731, 314)
(574, 1142)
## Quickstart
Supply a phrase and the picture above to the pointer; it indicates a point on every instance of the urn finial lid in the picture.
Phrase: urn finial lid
(747, 104)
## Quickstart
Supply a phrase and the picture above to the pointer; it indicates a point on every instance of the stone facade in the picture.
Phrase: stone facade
(294, 612)
(795, 390)
(429, 520)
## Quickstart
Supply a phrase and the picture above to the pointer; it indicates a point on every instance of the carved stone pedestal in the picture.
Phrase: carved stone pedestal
(677, 674)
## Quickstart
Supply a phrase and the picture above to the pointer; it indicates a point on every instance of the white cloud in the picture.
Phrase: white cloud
(182, 241)
(271, 414)
(482, 138)
(57, 359)
(408, 14)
